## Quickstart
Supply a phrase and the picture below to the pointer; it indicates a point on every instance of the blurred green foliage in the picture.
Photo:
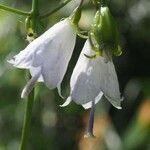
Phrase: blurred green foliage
(62, 128)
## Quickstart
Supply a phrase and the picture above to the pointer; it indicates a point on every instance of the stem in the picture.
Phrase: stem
(27, 121)
(13, 10)
(34, 14)
(35, 9)
(56, 9)
(30, 99)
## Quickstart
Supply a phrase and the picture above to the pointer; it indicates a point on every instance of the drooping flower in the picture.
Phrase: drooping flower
(94, 74)
(47, 57)
(93, 78)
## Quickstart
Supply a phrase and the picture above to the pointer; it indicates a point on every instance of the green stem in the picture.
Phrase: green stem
(35, 14)
(27, 121)
(30, 99)
(56, 9)
(13, 10)
(35, 6)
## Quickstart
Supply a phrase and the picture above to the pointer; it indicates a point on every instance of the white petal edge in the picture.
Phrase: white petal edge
(30, 85)
(116, 105)
(97, 99)
(59, 91)
(67, 102)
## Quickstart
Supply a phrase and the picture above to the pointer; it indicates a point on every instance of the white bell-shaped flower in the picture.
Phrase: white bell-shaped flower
(47, 57)
(92, 78)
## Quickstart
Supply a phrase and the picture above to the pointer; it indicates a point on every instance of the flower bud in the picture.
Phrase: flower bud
(104, 32)
(94, 34)
(109, 34)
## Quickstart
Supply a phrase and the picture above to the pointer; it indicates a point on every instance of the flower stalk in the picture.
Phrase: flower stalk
(30, 99)
(14, 10)
(34, 15)
(56, 9)
(34, 4)
(27, 121)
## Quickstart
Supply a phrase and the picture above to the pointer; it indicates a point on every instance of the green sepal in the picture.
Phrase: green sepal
(104, 34)
(31, 35)
(109, 38)
(96, 3)
(74, 20)
(93, 37)
(118, 51)
(90, 57)
(97, 54)
(75, 17)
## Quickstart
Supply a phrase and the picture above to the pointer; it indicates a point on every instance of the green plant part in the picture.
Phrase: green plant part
(108, 34)
(30, 35)
(93, 36)
(74, 19)
(104, 34)
(97, 3)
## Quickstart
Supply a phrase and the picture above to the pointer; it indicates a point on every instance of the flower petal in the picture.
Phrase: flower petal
(22, 60)
(30, 85)
(57, 56)
(67, 102)
(109, 83)
(34, 71)
(51, 51)
(92, 77)
(59, 91)
(97, 99)
(85, 78)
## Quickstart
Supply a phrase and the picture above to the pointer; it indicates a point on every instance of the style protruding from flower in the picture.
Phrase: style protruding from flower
(93, 78)
(94, 75)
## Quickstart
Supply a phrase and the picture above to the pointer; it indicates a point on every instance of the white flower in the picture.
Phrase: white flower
(47, 57)
(93, 78)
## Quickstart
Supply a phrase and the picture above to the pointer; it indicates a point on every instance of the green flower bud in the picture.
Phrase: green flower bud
(104, 32)
(94, 34)
(108, 32)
